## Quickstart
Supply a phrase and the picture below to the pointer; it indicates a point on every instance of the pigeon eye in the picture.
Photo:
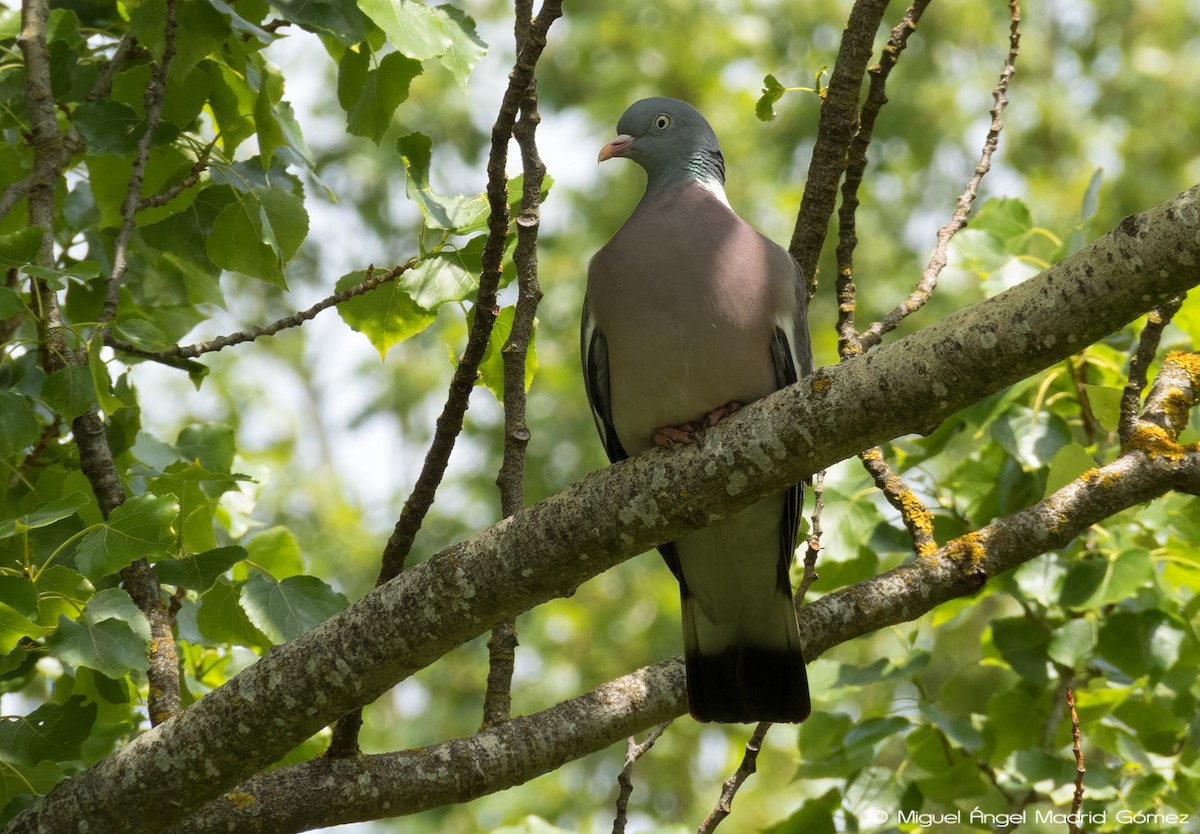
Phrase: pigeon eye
(662, 121)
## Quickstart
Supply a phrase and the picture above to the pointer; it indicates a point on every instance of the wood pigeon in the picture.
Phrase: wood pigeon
(690, 313)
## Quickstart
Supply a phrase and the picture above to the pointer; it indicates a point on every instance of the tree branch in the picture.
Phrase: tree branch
(502, 647)
(634, 750)
(548, 549)
(1139, 365)
(156, 89)
(873, 335)
(289, 799)
(839, 118)
(171, 356)
(730, 786)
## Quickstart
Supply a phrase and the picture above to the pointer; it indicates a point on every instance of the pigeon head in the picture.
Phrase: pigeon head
(670, 140)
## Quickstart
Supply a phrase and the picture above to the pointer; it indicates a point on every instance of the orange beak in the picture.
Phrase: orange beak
(616, 147)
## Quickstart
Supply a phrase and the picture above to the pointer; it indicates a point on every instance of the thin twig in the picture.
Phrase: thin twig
(156, 89)
(913, 512)
(813, 548)
(1078, 374)
(497, 702)
(1139, 364)
(856, 165)
(178, 188)
(13, 194)
(1077, 801)
(633, 752)
(730, 786)
(295, 320)
(937, 262)
(839, 117)
(116, 63)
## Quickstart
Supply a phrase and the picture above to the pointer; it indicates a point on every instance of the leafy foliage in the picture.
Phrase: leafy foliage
(261, 521)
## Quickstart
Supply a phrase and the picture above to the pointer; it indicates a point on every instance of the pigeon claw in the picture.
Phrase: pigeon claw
(718, 414)
(671, 436)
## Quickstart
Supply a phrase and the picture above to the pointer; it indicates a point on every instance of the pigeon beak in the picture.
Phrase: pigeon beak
(616, 147)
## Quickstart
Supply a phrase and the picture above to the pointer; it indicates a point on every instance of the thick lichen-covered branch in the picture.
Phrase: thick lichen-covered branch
(519, 750)
(546, 550)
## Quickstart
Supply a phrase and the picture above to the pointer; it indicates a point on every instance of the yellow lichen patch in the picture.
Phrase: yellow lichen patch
(821, 384)
(1189, 363)
(1154, 440)
(160, 717)
(969, 549)
(1176, 406)
(241, 800)
(1103, 479)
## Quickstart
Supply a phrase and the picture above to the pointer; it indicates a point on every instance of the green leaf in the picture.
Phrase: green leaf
(342, 20)
(440, 278)
(10, 303)
(380, 92)
(69, 391)
(232, 104)
(101, 381)
(52, 732)
(1071, 644)
(491, 367)
(412, 28)
(221, 618)
(61, 592)
(20, 248)
(14, 625)
(18, 780)
(1107, 577)
(199, 572)
(1023, 645)
(289, 607)
(1106, 405)
(109, 127)
(44, 515)
(258, 233)
(466, 49)
(1033, 439)
(18, 426)
(1008, 219)
(454, 214)
(270, 133)
(815, 816)
(207, 30)
(240, 24)
(1068, 463)
(139, 527)
(110, 646)
(386, 315)
(275, 551)
(212, 444)
(772, 91)
(20, 593)
(113, 637)
(1139, 643)
(116, 604)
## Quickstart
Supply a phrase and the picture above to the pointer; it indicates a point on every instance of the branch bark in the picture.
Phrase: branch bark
(548, 549)
(287, 799)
